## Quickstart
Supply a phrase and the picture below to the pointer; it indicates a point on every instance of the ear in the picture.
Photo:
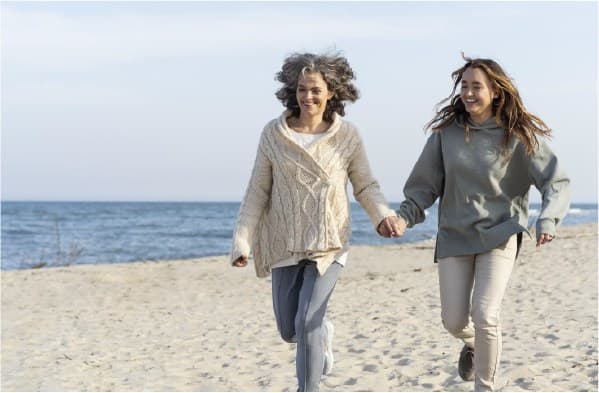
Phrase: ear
(330, 95)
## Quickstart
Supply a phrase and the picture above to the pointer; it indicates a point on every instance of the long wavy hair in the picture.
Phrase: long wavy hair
(335, 71)
(508, 109)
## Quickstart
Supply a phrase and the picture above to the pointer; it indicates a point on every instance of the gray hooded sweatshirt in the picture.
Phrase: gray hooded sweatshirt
(483, 193)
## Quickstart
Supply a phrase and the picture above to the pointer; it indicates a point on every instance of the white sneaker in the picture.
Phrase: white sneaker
(328, 348)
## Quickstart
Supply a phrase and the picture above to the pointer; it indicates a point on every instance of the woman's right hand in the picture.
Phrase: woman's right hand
(240, 262)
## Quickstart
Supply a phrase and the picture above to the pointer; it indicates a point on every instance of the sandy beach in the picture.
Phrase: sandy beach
(201, 325)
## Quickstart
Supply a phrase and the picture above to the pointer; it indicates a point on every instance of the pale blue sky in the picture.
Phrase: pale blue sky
(166, 101)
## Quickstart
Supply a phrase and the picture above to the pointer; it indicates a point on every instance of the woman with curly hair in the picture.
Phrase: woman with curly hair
(295, 215)
(484, 153)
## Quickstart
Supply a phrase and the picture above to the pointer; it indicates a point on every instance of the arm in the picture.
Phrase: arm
(425, 183)
(257, 196)
(554, 186)
(367, 190)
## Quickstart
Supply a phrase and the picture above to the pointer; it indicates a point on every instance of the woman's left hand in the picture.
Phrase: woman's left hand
(544, 238)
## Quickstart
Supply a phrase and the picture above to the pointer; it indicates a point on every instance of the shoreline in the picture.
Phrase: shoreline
(199, 324)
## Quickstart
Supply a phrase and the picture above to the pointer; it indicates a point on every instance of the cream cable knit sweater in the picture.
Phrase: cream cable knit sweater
(296, 200)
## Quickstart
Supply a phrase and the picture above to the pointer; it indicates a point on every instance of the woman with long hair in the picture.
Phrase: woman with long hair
(295, 216)
(484, 153)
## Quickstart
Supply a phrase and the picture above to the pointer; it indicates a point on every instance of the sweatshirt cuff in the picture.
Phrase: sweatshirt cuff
(408, 223)
(546, 225)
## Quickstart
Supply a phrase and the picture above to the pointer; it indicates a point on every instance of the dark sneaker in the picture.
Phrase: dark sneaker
(466, 363)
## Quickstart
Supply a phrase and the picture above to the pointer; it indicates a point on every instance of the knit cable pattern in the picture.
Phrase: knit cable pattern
(296, 199)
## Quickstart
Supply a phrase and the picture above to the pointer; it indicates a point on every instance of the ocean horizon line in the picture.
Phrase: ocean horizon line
(596, 203)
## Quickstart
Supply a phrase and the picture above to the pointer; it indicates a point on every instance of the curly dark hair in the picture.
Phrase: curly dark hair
(508, 109)
(335, 71)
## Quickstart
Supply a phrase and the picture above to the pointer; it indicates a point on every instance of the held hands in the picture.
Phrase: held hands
(392, 226)
(543, 239)
(240, 262)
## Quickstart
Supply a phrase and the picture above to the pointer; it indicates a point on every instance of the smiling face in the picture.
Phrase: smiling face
(312, 94)
(477, 94)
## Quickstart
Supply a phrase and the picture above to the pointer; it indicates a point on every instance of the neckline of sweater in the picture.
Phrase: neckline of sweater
(288, 131)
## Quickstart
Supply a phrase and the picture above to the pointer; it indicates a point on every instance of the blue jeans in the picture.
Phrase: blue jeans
(300, 297)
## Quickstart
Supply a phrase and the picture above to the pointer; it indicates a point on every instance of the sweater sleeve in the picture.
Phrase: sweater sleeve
(554, 186)
(257, 197)
(366, 188)
(425, 183)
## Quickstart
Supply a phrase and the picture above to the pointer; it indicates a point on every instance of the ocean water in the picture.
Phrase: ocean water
(59, 233)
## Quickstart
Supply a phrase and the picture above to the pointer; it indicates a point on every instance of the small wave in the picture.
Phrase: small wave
(228, 234)
(573, 211)
(17, 232)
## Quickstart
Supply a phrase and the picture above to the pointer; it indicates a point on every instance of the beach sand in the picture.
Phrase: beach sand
(199, 325)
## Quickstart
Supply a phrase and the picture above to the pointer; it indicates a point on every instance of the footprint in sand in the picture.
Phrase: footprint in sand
(524, 383)
(356, 350)
(371, 368)
(551, 337)
(404, 362)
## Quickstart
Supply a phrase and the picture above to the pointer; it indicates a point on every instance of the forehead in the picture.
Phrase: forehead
(475, 75)
(311, 79)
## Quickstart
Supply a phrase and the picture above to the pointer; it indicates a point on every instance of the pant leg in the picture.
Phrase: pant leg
(286, 285)
(492, 273)
(313, 299)
(456, 278)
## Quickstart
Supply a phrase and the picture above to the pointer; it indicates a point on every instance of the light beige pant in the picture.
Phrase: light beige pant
(473, 285)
